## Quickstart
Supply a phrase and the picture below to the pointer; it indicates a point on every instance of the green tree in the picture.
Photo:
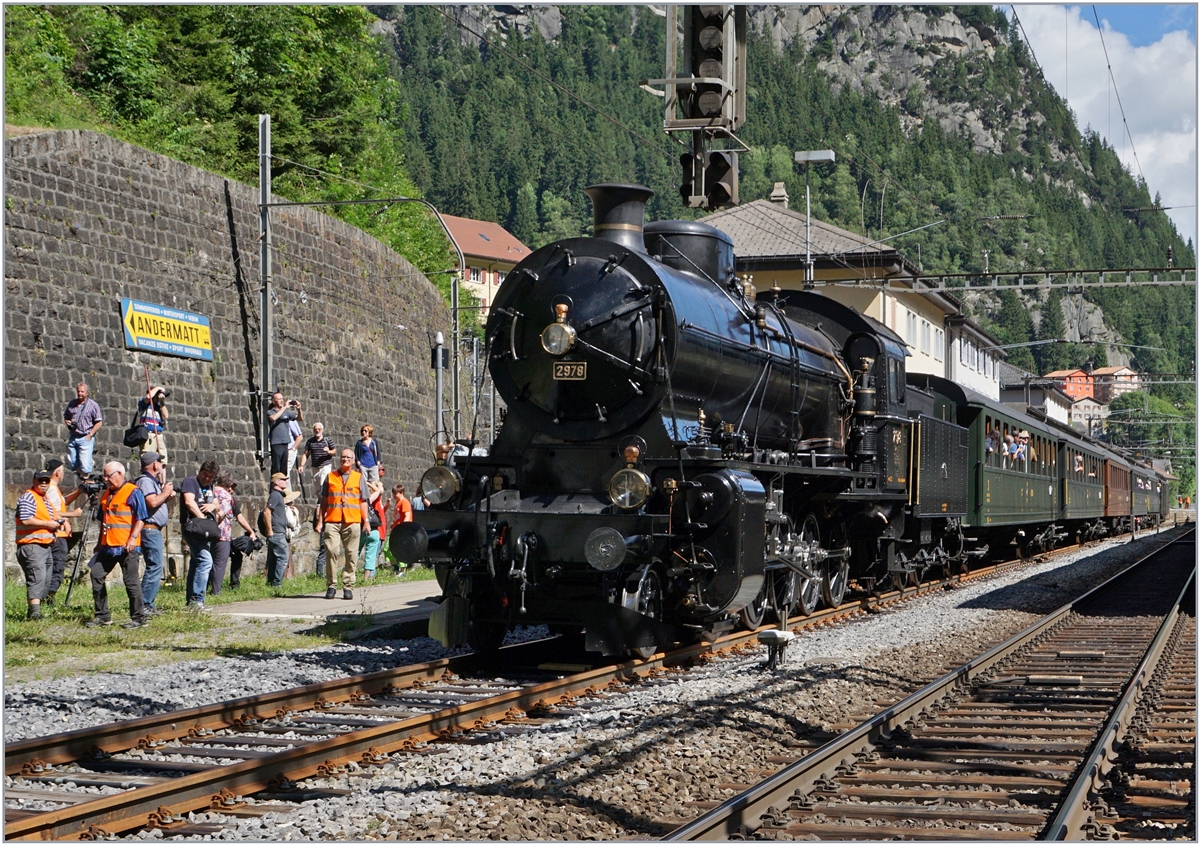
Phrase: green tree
(525, 216)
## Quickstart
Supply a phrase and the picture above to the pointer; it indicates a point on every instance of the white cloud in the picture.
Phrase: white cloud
(1157, 87)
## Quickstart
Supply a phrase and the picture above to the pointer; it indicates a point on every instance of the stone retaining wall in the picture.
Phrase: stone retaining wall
(89, 220)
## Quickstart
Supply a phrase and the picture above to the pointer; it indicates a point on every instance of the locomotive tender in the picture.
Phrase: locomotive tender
(680, 455)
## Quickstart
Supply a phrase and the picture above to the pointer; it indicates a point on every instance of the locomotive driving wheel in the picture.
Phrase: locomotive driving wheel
(835, 575)
(808, 594)
(751, 616)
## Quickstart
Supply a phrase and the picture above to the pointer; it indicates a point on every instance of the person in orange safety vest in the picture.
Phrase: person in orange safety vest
(341, 519)
(122, 516)
(36, 527)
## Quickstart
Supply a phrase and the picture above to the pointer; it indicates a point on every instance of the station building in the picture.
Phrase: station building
(1028, 391)
(489, 251)
(1110, 382)
(1076, 383)
(772, 243)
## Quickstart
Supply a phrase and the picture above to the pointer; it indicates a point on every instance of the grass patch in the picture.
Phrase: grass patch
(59, 645)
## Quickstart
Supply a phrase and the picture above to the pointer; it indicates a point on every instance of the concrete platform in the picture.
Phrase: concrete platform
(401, 605)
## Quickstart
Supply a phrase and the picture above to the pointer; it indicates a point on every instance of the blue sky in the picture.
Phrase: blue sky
(1152, 52)
(1144, 23)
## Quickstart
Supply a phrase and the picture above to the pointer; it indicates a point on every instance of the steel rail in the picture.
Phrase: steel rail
(139, 807)
(1074, 817)
(120, 736)
(740, 815)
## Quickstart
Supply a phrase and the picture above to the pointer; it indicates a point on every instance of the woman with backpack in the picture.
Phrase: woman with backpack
(371, 541)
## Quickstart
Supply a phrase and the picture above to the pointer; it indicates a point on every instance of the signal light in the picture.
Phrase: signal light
(706, 57)
(720, 179)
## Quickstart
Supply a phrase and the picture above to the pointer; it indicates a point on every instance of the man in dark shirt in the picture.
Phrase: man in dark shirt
(199, 502)
(157, 495)
(321, 450)
(83, 420)
(275, 520)
(279, 415)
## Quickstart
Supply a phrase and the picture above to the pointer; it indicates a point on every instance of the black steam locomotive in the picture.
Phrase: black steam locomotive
(680, 455)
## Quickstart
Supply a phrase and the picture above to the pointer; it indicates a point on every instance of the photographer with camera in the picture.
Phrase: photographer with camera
(152, 413)
(157, 495)
(280, 415)
(122, 517)
(58, 508)
(83, 419)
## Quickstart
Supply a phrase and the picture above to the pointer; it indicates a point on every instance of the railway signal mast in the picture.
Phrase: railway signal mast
(706, 97)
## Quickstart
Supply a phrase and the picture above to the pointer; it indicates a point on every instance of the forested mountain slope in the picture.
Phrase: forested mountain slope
(935, 113)
(506, 113)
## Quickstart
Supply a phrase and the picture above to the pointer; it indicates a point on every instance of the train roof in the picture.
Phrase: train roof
(963, 396)
(960, 395)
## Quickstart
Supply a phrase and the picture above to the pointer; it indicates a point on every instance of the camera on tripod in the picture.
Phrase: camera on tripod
(92, 484)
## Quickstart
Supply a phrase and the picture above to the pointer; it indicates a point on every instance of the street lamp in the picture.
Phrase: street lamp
(807, 157)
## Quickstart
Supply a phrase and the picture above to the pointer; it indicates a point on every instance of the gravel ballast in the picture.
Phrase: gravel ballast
(621, 765)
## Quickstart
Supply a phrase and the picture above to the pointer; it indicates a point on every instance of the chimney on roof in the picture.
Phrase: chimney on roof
(779, 195)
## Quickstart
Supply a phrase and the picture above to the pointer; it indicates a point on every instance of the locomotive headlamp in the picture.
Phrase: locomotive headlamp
(629, 488)
(558, 338)
(440, 484)
(604, 549)
(631, 454)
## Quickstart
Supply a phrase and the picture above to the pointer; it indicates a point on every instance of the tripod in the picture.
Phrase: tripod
(92, 507)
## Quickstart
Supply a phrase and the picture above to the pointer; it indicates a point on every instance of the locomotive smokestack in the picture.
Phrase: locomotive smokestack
(618, 213)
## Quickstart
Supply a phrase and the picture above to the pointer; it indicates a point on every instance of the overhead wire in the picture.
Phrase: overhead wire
(1117, 91)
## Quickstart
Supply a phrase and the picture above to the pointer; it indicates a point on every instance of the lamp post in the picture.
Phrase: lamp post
(807, 157)
(438, 358)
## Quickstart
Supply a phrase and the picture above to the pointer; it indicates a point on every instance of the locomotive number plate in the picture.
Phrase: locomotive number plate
(570, 370)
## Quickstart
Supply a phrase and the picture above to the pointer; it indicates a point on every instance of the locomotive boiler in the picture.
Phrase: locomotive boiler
(670, 443)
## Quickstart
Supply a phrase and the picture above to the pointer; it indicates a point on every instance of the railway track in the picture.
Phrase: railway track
(152, 772)
(1027, 741)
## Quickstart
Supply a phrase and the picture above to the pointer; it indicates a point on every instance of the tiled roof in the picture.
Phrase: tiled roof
(1112, 371)
(481, 239)
(1065, 373)
(764, 229)
(1009, 374)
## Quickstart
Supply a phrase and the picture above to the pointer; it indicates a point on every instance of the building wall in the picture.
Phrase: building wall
(969, 365)
(918, 321)
(1082, 409)
(483, 278)
(91, 220)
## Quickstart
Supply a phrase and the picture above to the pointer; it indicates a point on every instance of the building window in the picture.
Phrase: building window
(474, 274)
(912, 329)
(925, 336)
(939, 344)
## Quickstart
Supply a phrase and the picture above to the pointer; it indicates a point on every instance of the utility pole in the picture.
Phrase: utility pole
(807, 157)
(264, 263)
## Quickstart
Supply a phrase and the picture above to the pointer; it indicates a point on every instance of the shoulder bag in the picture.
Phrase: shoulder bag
(136, 435)
(202, 529)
